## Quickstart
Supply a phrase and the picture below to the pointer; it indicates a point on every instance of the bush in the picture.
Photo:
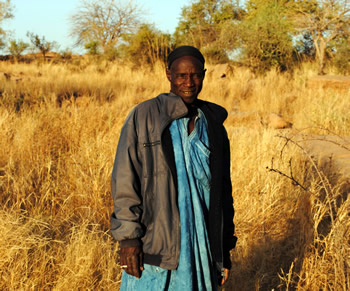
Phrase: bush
(215, 55)
(342, 58)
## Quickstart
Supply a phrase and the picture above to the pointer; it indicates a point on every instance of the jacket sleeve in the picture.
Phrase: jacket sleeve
(126, 187)
(229, 239)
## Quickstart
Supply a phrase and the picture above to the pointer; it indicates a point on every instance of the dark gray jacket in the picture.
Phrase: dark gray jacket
(144, 183)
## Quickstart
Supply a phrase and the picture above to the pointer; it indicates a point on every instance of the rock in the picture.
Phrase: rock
(328, 151)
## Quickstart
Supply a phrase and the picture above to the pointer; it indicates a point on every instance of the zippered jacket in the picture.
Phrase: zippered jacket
(144, 183)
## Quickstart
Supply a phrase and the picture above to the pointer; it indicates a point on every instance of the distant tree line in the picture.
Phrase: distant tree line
(261, 34)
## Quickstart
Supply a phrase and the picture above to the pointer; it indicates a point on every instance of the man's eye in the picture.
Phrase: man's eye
(181, 76)
(194, 76)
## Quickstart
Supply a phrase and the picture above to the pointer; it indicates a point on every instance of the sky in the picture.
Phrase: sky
(50, 18)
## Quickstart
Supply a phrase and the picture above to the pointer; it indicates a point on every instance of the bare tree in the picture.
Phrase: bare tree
(103, 21)
(325, 20)
(5, 13)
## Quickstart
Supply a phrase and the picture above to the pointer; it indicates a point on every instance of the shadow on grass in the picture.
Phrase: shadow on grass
(271, 251)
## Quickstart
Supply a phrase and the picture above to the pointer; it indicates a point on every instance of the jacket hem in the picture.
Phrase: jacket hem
(158, 260)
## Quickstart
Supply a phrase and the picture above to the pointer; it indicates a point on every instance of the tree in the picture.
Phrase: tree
(41, 44)
(325, 21)
(341, 59)
(202, 21)
(147, 45)
(16, 48)
(5, 13)
(104, 22)
(265, 35)
(92, 47)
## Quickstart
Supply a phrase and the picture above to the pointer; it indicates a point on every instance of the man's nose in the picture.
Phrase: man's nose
(189, 80)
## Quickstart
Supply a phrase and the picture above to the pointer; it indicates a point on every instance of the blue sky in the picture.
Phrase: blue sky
(50, 18)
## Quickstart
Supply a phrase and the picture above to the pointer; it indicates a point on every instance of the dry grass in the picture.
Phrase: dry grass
(59, 127)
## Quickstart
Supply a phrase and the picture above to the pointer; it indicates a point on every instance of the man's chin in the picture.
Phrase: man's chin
(188, 98)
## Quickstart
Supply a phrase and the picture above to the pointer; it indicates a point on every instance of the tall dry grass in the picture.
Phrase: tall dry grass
(59, 127)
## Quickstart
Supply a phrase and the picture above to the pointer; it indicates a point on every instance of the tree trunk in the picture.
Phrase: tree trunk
(320, 47)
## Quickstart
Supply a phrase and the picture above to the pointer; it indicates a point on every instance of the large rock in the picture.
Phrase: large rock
(328, 151)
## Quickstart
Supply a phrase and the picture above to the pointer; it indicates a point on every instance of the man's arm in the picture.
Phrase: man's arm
(126, 187)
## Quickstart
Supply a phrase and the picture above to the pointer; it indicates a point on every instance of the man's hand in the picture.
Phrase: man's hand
(131, 259)
(225, 278)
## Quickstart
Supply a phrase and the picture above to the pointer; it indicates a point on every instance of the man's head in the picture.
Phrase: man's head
(186, 72)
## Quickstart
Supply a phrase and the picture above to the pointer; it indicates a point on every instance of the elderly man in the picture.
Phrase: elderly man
(173, 207)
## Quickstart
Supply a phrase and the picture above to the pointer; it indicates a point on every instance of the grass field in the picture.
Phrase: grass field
(59, 128)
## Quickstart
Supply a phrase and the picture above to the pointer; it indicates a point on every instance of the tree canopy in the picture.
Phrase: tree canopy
(41, 44)
(16, 48)
(325, 21)
(147, 46)
(201, 22)
(104, 22)
(265, 35)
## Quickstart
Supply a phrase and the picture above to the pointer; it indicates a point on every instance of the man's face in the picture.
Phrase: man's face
(186, 76)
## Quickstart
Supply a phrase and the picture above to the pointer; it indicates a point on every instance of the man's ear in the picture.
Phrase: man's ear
(168, 74)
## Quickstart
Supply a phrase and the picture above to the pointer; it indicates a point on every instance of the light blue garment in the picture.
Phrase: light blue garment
(195, 270)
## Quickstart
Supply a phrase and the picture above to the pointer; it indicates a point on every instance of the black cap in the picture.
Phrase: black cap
(185, 50)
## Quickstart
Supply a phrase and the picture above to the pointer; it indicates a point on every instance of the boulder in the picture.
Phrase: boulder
(332, 152)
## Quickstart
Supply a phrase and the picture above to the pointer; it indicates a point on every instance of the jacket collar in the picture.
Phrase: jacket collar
(172, 107)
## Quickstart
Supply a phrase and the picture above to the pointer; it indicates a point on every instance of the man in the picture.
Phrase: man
(173, 207)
